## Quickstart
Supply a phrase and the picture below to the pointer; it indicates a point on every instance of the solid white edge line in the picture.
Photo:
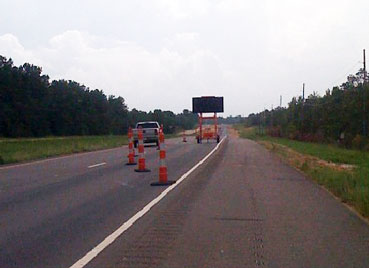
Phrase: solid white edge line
(125, 226)
(97, 165)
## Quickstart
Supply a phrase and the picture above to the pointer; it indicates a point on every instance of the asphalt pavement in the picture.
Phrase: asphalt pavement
(243, 207)
(53, 211)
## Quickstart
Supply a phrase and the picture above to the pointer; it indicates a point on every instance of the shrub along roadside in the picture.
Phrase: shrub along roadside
(343, 172)
(338, 116)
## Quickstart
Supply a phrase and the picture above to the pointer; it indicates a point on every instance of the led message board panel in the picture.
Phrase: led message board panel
(207, 105)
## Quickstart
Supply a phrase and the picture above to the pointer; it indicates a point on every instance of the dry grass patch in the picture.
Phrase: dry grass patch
(298, 160)
(343, 172)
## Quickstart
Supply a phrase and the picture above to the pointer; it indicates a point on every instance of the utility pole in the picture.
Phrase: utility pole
(365, 74)
(264, 121)
(364, 96)
(271, 118)
(280, 101)
(302, 108)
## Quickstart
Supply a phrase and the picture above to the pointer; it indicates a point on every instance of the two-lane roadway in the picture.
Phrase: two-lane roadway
(241, 207)
(54, 211)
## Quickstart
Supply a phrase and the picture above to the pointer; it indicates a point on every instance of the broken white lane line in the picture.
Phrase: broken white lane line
(126, 225)
(97, 165)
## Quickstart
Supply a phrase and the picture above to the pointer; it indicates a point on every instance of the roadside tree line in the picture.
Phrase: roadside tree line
(340, 116)
(32, 106)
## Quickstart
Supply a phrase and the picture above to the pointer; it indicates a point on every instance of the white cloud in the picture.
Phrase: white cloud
(179, 9)
(160, 53)
(303, 27)
(145, 79)
(234, 6)
(10, 45)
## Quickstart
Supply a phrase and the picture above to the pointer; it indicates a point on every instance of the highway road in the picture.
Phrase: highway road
(54, 211)
(242, 207)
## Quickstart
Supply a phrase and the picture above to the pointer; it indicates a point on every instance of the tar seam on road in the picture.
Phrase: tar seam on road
(125, 226)
(97, 165)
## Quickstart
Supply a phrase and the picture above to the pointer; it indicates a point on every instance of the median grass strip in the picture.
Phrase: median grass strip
(26, 149)
(20, 150)
(343, 172)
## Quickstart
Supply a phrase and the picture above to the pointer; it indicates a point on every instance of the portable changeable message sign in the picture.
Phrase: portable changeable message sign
(207, 105)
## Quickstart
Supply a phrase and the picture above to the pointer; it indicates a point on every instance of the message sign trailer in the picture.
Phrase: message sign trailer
(207, 105)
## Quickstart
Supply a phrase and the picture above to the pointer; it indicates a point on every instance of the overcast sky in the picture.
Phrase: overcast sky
(160, 54)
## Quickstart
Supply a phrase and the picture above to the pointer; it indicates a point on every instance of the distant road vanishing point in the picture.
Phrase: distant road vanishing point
(239, 207)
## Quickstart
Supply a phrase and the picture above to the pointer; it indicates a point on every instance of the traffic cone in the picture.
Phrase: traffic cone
(131, 153)
(141, 153)
(163, 172)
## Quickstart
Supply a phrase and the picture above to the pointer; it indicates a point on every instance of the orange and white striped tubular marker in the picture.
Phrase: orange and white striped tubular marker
(184, 136)
(141, 153)
(131, 150)
(163, 172)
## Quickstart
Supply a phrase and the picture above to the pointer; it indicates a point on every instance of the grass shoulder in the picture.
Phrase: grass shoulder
(343, 172)
(26, 149)
(16, 150)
